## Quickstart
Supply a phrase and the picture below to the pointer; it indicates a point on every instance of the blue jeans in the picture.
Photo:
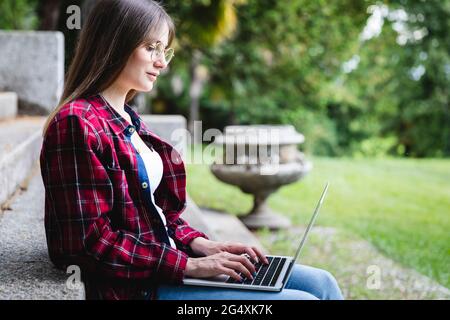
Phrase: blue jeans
(305, 283)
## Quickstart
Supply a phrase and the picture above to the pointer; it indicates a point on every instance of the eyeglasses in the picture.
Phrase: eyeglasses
(158, 51)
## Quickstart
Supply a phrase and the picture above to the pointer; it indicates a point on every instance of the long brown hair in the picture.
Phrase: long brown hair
(114, 28)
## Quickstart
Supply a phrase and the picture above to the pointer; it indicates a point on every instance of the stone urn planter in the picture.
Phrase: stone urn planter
(259, 159)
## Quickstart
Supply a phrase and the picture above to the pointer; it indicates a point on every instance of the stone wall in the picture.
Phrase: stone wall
(8, 105)
(32, 65)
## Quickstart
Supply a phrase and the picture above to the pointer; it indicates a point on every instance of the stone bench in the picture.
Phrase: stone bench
(35, 74)
(20, 143)
(8, 105)
(25, 269)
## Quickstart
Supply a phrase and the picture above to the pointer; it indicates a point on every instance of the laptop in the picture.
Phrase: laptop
(270, 277)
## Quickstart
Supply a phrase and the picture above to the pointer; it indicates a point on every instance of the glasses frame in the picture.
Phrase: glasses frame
(158, 51)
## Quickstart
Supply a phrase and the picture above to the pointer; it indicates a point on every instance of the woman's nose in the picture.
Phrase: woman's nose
(161, 63)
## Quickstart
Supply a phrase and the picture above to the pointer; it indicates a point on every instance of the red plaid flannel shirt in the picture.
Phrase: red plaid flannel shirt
(97, 215)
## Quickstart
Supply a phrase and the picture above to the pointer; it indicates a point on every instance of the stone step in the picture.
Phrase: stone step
(32, 65)
(227, 227)
(8, 105)
(195, 217)
(219, 226)
(20, 144)
(25, 269)
(171, 128)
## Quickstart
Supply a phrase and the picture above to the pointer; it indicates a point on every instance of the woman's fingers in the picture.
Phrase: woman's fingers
(239, 248)
(230, 272)
(254, 252)
(237, 266)
(242, 260)
(251, 253)
(221, 263)
(246, 262)
(262, 256)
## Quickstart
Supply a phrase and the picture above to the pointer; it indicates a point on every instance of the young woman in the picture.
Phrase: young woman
(114, 191)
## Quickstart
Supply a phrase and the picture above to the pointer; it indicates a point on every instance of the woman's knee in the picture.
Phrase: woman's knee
(329, 285)
(290, 294)
(325, 277)
(318, 282)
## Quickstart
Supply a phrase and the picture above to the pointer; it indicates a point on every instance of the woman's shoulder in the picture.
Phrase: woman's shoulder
(77, 116)
(79, 108)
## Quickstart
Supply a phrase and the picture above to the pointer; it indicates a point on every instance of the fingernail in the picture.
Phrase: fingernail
(254, 274)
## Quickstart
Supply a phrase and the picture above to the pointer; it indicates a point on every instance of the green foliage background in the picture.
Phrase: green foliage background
(284, 64)
(18, 14)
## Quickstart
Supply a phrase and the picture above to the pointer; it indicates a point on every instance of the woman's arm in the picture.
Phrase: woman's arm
(182, 233)
(79, 203)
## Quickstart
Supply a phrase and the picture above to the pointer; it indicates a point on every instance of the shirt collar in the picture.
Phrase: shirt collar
(117, 123)
(134, 117)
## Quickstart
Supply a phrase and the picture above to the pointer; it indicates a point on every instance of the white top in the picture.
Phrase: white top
(154, 167)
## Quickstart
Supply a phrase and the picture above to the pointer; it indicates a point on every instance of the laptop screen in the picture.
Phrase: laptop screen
(305, 235)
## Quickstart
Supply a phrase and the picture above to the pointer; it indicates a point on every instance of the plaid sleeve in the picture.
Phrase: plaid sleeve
(182, 232)
(79, 209)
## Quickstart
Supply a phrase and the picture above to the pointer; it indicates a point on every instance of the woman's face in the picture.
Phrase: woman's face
(137, 72)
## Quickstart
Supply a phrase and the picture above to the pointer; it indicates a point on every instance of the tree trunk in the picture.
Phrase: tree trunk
(195, 90)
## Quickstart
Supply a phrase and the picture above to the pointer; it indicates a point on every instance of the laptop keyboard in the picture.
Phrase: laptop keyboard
(266, 274)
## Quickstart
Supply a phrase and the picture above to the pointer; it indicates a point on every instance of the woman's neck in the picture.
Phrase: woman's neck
(115, 97)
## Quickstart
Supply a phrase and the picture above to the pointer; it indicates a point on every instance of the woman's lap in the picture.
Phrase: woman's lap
(305, 283)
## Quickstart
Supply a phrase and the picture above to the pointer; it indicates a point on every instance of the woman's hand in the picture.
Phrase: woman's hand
(205, 247)
(220, 263)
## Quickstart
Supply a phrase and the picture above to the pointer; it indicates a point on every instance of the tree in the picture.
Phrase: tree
(403, 78)
(201, 24)
(280, 60)
(18, 14)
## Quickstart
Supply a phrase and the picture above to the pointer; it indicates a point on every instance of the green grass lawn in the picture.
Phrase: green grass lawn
(401, 206)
